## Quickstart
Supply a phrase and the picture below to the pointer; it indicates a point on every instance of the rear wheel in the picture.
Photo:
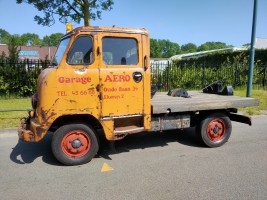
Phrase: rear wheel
(215, 129)
(74, 144)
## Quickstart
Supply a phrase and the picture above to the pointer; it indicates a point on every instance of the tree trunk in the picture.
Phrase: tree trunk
(86, 14)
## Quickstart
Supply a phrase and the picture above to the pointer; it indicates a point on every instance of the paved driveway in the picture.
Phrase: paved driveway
(169, 165)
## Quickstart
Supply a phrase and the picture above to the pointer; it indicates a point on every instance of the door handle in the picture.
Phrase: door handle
(137, 76)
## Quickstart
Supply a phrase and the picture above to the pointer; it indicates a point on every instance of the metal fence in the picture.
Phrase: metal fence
(197, 76)
(18, 79)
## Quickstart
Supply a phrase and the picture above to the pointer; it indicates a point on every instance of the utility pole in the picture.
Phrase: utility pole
(252, 49)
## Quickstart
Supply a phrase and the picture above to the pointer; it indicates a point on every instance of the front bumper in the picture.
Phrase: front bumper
(28, 130)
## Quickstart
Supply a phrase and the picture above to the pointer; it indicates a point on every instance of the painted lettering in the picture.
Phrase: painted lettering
(61, 93)
(121, 89)
(82, 80)
(117, 78)
(110, 89)
(111, 97)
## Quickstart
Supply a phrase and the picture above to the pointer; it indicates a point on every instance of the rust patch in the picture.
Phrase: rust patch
(24, 133)
(39, 131)
(49, 109)
(43, 114)
(72, 101)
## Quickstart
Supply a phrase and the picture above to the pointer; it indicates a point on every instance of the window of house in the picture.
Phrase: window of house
(119, 51)
(81, 52)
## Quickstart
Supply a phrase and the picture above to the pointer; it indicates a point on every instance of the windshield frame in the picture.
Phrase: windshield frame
(62, 47)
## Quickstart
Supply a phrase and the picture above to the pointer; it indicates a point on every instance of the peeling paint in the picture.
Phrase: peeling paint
(81, 71)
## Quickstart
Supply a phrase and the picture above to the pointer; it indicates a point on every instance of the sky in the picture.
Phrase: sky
(180, 21)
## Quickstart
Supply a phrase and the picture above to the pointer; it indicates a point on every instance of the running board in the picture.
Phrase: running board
(128, 130)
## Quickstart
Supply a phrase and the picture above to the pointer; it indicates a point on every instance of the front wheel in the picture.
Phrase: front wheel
(215, 129)
(74, 144)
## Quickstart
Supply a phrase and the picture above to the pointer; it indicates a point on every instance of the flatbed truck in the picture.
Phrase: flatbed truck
(100, 80)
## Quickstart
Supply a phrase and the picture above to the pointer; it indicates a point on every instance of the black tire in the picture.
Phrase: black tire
(214, 130)
(74, 144)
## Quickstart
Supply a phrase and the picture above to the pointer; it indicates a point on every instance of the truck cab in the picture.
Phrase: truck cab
(100, 77)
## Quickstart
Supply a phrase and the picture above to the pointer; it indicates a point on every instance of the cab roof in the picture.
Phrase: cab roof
(113, 29)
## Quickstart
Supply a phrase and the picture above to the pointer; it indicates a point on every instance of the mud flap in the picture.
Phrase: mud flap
(240, 118)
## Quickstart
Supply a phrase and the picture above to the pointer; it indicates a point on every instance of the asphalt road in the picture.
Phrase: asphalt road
(169, 165)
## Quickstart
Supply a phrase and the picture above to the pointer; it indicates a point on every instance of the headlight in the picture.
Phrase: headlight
(34, 100)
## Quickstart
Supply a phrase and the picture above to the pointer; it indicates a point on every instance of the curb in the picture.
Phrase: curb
(9, 131)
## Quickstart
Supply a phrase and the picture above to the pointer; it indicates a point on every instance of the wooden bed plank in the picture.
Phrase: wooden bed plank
(161, 102)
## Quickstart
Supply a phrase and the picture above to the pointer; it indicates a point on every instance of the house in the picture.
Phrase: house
(32, 52)
(261, 43)
(202, 53)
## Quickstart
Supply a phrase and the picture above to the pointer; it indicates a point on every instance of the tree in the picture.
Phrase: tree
(13, 51)
(163, 48)
(203, 47)
(168, 48)
(52, 40)
(30, 39)
(4, 36)
(212, 45)
(155, 50)
(189, 48)
(69, 10)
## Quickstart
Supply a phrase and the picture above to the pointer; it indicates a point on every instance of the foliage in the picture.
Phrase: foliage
(212, 45)
(163, 48)
(198, 76)
(69, 10)
(229, 67)
(30, 39)
(226, 56)
(167, 49)
(13, 50)
(155, 51)
(4, 36)
(189, 48)
(19, 78)
(52, 40)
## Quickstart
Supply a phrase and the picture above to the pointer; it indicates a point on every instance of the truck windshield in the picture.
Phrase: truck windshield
(60, 51)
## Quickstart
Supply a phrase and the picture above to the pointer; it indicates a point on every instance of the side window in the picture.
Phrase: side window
(120, 51)
(81, 52)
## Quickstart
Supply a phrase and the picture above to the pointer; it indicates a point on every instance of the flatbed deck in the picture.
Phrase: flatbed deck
(198, 101)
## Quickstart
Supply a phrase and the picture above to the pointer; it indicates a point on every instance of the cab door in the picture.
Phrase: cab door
(121, 75)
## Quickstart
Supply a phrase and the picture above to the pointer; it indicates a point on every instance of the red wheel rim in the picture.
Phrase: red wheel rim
(216, 130)
(76, 144)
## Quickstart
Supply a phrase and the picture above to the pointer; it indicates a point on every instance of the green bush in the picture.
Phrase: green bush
(18, 79)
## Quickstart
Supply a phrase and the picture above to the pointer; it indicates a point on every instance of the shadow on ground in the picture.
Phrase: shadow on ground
(151, 139)
(27, 152)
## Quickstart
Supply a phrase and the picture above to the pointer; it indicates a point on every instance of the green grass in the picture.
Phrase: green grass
(11, 119)
(258, 94)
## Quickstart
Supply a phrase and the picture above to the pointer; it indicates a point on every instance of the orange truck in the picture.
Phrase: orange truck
(99, 81)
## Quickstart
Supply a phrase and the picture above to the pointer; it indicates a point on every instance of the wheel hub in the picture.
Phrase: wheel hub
(76, 143)
(216, 130)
